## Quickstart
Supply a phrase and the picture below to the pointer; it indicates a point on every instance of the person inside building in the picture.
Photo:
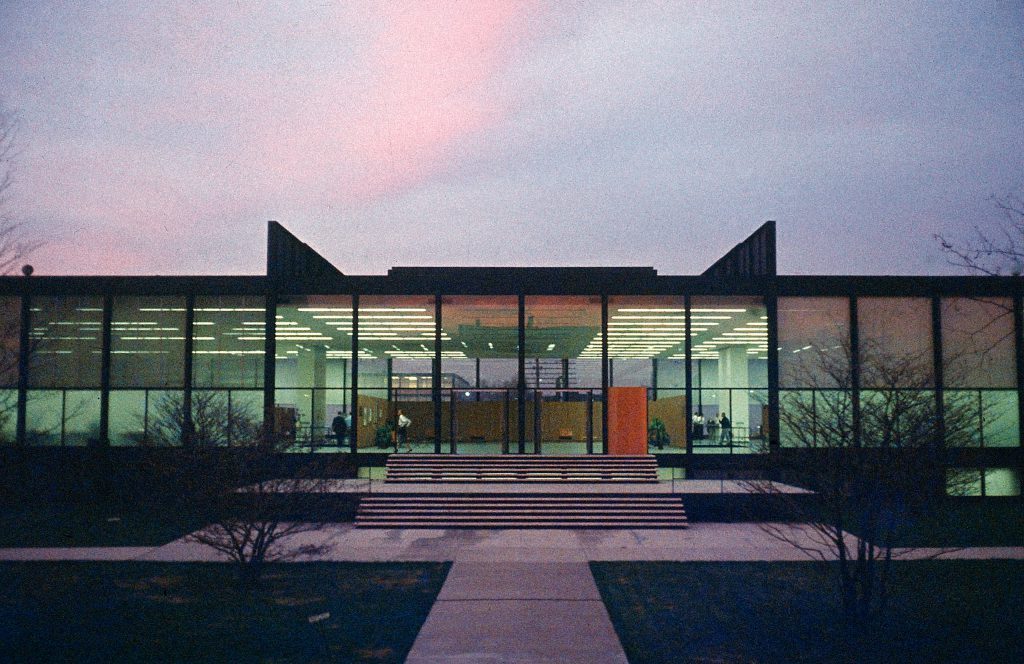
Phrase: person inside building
(402, 430)
(340, 427)
(698, 425)
(726, 428)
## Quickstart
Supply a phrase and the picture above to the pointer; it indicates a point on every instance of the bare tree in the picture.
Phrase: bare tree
(873, 480)
(231, 477)
(993, 252)
(15, 244)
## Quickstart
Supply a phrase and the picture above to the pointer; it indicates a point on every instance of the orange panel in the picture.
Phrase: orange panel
(627, 420)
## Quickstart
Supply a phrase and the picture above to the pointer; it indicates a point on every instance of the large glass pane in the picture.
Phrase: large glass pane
(647, 348)
(730, 373)
(563, 373)
(480, 374)
(814, 342)
(67, 338)
(314, 350)
(977, 343)
(63, 417)
(895, 342)
(8, 416)
(227, 342)
(396, 357)
(147, 342)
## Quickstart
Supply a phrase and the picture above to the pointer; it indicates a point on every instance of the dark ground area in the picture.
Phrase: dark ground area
(945, 611)
(195, 612)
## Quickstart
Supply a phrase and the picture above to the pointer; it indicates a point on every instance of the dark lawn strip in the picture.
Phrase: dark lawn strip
(48, 524)
(945, 611)
(195, 612)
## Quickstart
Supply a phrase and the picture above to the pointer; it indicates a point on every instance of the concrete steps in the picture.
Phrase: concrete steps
(520, 511)
(520, 468)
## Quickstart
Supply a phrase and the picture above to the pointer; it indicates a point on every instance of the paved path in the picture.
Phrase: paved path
(518, 612)
(344, 542)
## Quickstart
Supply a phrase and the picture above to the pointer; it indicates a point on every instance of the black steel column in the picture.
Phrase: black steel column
(390, 370)
(506, 414)
(772, 307)
(435, 374)
(354, 429)
(590, 421)
(855, 370)
(937, 371)
(604, 374)
(521, 391)
(537, 429)
(190, 318)
(477, 379)
(452, 445)
(24, 349)
(654, 379)
(269, 367)
(688, 383)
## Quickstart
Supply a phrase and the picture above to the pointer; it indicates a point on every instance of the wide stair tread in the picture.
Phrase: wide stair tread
(537, 511)
(521, 468)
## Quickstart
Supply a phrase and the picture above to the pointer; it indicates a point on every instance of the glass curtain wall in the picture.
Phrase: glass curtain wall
(228, 336)
(979, 372)
(313, 337)
(815, 380)
(729, 374)
(480, 374)
(563, 374)
(147, 371)
(897, 399)
(396, 359)
(65, 362)
(647, 348)
(10, 345)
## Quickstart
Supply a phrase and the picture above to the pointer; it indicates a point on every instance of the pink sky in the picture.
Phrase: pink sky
(161, 140)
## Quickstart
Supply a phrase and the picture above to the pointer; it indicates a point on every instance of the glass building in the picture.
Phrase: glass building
(514, 360)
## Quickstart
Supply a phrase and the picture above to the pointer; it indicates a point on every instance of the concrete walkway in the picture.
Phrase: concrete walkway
(344, 542)
(518, 612)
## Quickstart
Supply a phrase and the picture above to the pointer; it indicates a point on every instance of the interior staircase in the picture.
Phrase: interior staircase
(549, 492)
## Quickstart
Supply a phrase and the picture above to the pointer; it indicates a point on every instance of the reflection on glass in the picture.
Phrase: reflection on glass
(67, 342)
(147, 342)
(814, 342)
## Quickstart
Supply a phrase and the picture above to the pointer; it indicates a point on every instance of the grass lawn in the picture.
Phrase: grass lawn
(48, 524)
(946, 611)
(194, 612)
(970, 522)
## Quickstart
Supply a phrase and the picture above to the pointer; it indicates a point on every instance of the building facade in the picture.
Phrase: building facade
(738, 363)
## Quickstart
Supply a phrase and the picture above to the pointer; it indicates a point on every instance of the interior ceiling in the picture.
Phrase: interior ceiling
(635, 332)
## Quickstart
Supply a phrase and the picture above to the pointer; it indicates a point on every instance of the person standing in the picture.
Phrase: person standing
(402, 430)
(726, 427)
(340, 427)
